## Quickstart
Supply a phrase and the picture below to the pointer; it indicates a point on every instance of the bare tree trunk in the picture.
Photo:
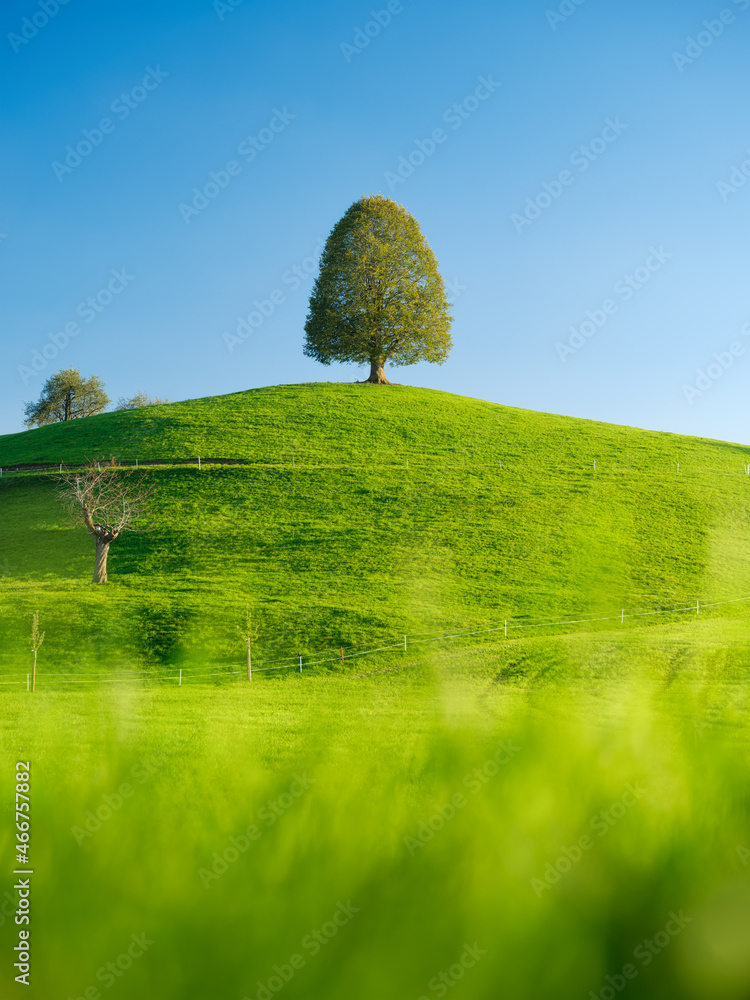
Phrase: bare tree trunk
(249, 662)
(33, 676)
(100, 563)
(377, 372)
(107, 503)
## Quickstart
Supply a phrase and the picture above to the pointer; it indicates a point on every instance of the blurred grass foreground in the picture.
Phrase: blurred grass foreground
(427, 832)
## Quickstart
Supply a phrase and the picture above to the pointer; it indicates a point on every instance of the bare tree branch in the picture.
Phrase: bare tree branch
(107, 501)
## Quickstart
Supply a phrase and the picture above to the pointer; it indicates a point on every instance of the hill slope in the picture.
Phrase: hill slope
(335, 422)
(348, 543)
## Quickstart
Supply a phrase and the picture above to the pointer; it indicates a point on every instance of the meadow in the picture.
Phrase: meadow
(562, 812)
(499, 515)
(555, 808)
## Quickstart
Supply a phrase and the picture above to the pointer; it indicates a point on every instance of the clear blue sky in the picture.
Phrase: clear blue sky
(186, 86)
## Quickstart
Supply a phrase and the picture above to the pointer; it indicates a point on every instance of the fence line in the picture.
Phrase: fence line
(429, 462)
(490, 627)
(88, 679)
(328, 656)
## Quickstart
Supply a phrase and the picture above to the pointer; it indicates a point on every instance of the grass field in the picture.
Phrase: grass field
(445, 804)
(561, 813)
(348, 545)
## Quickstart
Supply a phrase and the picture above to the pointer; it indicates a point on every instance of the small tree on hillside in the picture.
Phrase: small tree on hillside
(107, 501)
(67, 396)
(379, 296)
(249, 636)
(140, 399)
(37, 638)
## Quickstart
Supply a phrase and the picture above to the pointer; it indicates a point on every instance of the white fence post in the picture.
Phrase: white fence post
(180, 677)
(300, 664)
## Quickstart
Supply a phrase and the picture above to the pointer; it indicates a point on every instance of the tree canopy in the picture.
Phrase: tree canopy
(379, 296)
(139, 400)
(67, 396)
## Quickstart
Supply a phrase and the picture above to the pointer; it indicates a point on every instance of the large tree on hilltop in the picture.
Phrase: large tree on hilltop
(379, 296)
(67, 396)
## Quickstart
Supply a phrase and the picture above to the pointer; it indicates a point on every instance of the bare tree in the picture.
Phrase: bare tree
(138, 400)
(107, 501)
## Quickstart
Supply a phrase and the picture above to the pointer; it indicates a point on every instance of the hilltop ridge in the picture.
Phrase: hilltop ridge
(344, 421)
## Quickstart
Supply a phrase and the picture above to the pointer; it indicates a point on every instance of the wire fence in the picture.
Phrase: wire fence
(564, 465)
(301, 662)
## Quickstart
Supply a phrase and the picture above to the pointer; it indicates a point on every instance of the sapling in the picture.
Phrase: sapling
(37, 638)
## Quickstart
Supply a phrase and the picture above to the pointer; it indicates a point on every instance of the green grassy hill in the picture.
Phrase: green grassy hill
(326, 532)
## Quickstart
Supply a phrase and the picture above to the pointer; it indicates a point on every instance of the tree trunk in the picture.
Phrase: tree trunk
(100, 564)
(377, 372)
(249, 662)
